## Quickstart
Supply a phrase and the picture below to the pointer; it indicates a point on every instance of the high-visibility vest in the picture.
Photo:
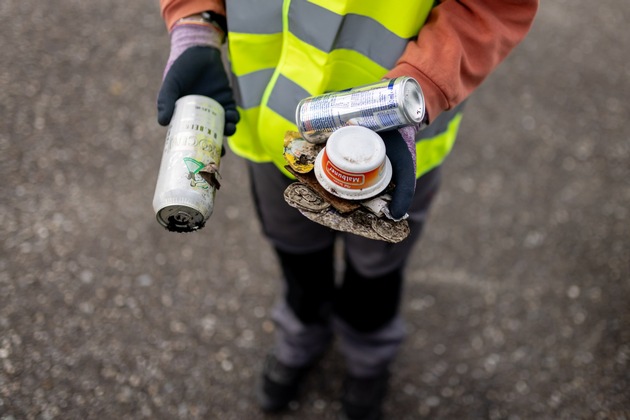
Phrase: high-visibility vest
(282, 51)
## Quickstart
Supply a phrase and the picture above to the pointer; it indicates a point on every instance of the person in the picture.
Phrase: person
(279, 52)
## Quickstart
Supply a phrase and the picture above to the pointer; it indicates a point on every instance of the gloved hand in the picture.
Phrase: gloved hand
(401, 150)
(195, 67)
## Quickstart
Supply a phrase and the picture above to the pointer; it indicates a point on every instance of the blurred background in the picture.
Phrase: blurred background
(517, 295)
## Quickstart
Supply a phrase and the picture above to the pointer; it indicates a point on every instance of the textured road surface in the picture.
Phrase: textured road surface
(518, 295)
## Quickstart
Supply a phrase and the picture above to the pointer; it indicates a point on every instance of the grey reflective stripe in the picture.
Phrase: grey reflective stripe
(254, 16)
(249, 88)
(440, 124)
(313, 24)
(285, 97)
(370, 38)
(328, 31)
(318, 27)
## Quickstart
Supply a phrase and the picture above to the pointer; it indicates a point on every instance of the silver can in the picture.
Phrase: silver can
(380, 106)
(187, 181)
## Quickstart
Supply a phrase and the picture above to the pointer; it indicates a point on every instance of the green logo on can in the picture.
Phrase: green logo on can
(194, 166)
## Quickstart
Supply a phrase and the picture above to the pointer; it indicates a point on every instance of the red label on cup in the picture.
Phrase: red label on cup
(350, 180)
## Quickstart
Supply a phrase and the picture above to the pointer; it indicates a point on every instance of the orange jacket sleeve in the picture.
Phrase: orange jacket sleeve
(173, 10)
(460, 44)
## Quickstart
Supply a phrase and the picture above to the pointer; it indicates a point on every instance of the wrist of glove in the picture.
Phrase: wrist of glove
(400, 148)
(184, 36)
(195, 67)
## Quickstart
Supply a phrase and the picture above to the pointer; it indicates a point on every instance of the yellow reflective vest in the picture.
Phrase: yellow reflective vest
(282, 51)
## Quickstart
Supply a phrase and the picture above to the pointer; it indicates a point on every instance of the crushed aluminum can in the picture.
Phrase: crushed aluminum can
(187, 180)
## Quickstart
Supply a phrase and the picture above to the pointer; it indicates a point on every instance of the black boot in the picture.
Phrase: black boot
(362, 398)
(309, 280)
(280, 384)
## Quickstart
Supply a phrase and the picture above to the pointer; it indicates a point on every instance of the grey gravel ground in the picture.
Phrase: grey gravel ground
(517, 299)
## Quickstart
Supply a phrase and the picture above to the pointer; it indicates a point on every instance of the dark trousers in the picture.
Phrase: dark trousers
(364, 302)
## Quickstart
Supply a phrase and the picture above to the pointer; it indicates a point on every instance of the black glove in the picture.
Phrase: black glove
(197, 71)
(402, 157)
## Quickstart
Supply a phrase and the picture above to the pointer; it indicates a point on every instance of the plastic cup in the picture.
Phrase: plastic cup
(353, 164)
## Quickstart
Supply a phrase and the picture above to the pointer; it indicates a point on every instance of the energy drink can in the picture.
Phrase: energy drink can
(380, 106)
(187, 180)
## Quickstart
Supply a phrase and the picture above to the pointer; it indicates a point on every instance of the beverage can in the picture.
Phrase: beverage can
(186, 184)
(379, 106)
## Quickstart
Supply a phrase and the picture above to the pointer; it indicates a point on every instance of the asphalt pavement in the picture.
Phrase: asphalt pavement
(517, 299)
